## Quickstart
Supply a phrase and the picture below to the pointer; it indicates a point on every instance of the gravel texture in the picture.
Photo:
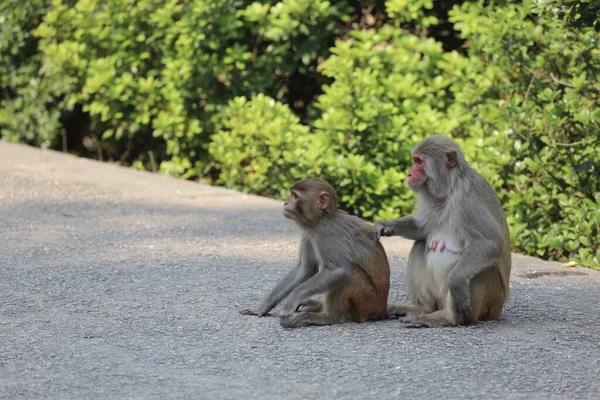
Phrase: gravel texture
(123, 284)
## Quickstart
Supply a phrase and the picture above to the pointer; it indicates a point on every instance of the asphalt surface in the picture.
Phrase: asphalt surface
(123, 284)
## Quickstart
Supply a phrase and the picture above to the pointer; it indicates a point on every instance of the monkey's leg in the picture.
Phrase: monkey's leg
(415, 281)
(335, 305)
(434, 319)
(478, 258)
(488, 295)
(323, 281)
(487, 299)
(358, 302)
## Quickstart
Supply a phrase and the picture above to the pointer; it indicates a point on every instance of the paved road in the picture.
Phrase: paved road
(123, 284)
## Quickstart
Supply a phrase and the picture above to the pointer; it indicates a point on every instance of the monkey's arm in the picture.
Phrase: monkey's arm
(405, 226)
(306, 267)
(299, 274)
(323, 281)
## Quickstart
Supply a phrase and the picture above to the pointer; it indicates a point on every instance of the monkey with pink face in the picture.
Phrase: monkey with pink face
(459, 266)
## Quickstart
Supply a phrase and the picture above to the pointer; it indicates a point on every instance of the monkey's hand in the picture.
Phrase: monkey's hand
(249, 311)
(463, 311)
(462, 303)
(289, 307)
(383, 229)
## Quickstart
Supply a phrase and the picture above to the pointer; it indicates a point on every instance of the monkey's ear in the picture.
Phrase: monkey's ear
(451, 159)
(323, 200)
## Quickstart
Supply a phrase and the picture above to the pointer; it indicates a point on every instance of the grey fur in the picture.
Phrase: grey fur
(458, 202)
(342, 238)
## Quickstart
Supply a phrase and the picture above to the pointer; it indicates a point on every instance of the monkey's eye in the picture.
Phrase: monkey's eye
(418, 161)
(295, 195)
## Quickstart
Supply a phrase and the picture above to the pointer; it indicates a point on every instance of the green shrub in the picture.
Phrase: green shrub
(547, 84)
(259, 146)
(152, 74)
(574, 13)
(27, 110)
(535, 139)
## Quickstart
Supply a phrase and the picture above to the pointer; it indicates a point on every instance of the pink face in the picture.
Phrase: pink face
(292, 205)
(416, 174)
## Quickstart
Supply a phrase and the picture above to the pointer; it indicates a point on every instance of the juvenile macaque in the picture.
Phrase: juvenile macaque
(459, 266)
(338, 257)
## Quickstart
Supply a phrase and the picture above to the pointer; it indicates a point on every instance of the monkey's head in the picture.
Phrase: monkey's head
(311, 200)
(437, 162)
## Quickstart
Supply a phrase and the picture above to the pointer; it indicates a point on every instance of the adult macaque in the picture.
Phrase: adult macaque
(459, 266)
(338, 257)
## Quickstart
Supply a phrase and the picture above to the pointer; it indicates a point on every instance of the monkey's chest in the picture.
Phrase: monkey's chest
(442, 254)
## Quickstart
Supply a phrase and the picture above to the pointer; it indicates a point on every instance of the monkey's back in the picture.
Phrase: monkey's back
(485, 195)
(371, 271)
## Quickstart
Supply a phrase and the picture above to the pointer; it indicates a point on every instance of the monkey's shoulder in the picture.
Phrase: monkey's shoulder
(345, 230)
(479, 188)
(357, 225)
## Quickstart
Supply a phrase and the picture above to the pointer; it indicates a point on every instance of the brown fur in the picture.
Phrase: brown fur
(338, 257)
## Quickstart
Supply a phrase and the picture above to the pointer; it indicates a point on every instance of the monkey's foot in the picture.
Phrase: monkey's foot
(301, 319)
(433, 320)
(289, 307)
(395, 313)
(292, 321)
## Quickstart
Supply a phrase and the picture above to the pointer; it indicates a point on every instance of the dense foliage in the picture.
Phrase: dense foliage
(255, 95)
